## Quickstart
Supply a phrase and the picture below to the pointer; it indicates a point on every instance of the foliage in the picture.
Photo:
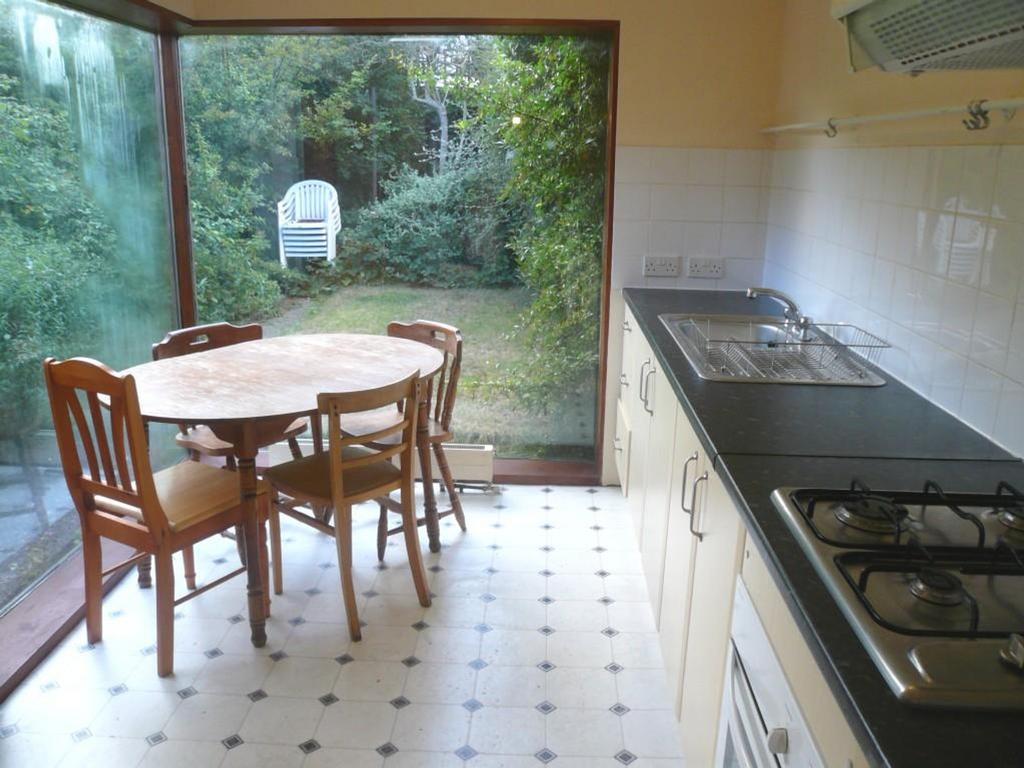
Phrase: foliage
(52, 238)
(556, 88)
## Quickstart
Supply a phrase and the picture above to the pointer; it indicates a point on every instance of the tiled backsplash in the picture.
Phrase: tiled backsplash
(689, 202)
(923, 246)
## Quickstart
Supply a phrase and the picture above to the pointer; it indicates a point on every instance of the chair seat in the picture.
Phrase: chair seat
(189, 492)
(202, 439)
(310, 478)
(368, 422)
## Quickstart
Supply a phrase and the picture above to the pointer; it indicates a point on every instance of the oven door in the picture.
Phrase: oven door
(743, 736)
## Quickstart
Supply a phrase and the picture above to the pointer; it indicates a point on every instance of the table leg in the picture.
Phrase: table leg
(246, 453)
(426, 473)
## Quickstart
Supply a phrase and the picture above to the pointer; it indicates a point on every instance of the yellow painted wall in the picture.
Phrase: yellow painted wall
(692, 73)
(814, 83)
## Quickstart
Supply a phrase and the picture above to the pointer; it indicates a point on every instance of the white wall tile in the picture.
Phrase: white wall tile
(667, 237)
(669, 165)
(743, 167)
(668, 202)
(741, 204)
(632, 165)
(632, 201)
(924, 245)
(743, 241)
(707, 166)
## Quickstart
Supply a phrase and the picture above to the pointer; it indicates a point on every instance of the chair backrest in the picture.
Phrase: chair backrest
(404, 394)
(312, 200)
(109, 433)
(448, 340)
(199, 338)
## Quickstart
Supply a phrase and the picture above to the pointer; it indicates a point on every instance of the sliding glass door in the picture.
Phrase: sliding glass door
(85, 252)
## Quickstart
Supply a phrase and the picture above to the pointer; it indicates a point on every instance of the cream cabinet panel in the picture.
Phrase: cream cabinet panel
(717, 563)
(622, 445)
(639, 414)
(688, 463)
(660, 451)
(833, 736)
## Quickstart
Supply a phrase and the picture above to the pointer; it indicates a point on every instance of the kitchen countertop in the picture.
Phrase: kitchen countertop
(763, 436)
(891, 421)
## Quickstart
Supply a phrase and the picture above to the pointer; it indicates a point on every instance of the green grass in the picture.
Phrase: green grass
(492, 346)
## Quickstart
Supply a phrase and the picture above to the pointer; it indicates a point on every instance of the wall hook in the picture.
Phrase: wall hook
(977, 116)
(830, 128)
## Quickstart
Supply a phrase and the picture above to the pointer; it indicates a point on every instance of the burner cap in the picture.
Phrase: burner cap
(872, 514)
(1012, 518)
(937, 587)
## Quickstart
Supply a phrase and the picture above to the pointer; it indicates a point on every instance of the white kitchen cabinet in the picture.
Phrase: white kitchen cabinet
(688, 462)
(638, 412)
(833, 737)
(720, 536)
(661, 444)
(622, 443)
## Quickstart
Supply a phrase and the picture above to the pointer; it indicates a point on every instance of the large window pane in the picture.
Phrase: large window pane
(470, 174)
(85, 258)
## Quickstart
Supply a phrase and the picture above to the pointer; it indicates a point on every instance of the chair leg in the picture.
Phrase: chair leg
(92, 556)
(164, 614)
(146, 573)
(343, 541)
(449, 484)
(412, 545)
(275, 546)
(293, 446)
(382, 532)
(264, 510)
(188, 555)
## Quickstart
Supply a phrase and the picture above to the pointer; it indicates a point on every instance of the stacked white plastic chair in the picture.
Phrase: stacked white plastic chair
(308, 221)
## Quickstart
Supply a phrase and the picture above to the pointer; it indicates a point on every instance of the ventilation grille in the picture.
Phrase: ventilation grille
(902, 35)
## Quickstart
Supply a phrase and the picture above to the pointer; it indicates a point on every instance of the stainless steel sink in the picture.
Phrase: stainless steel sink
(772, 350)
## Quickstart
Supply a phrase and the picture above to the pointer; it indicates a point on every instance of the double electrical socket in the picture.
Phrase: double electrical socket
(705, 267)
(696, 266)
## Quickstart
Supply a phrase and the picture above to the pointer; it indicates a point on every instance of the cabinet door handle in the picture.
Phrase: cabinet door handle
(616, 442)
(625, 326)
(647, 391)
(623, 380)
(693, 505)
(641, 378)
(686, 471)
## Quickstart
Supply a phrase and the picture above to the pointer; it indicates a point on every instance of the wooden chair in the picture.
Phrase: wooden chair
(198, 439)
(118, 496)
(349, 473)
(440, 404)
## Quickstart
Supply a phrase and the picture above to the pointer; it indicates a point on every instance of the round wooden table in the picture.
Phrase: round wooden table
(247, 393)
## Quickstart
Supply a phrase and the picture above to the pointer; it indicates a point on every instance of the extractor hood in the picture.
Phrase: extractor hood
(918, 35)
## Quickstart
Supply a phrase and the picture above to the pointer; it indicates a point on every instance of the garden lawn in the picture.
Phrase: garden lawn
(493, 345)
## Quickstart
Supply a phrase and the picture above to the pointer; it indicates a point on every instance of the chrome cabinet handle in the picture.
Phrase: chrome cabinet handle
(647, 391)
(625, 326)
(615, 443)
(686, 471)
(623, 380)
(693, 505)
(642, 379)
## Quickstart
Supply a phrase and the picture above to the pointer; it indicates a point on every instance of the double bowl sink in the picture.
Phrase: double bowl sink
(770, 350)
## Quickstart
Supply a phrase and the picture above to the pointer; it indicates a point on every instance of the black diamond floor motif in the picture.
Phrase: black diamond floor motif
(387, 750)
(369, 593)
(614, 668)
(545, 755)
(487, 597)
(609, 632)
(149, 650)
(8, 731)
(546, 707)
(220, 560)
(117, 690)
(465, 753)
(296, 621)
(605, 600)
(312, 591)
(546, 600)
(410, 661)
(419, 626)
(600, 549)
(399, 702)
(213, 653)
(186, 693)
(491, 571)
(343, 659)
(602, 573)
(258, 695)
(232, 741)
(327, 699)
(545, 573)
(626, 757)
(483, 629)
(236, 619)
(545, 666)
(618, 709)
(156, 738)
(309, 746)
(546, 630)
(472, 705)
(478, 664)
(81, 735)
(278, 655)
(435, 569)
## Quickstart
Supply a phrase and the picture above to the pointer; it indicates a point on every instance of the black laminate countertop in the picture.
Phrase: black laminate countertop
(891, 732)
(891, 421)
(763, 436)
